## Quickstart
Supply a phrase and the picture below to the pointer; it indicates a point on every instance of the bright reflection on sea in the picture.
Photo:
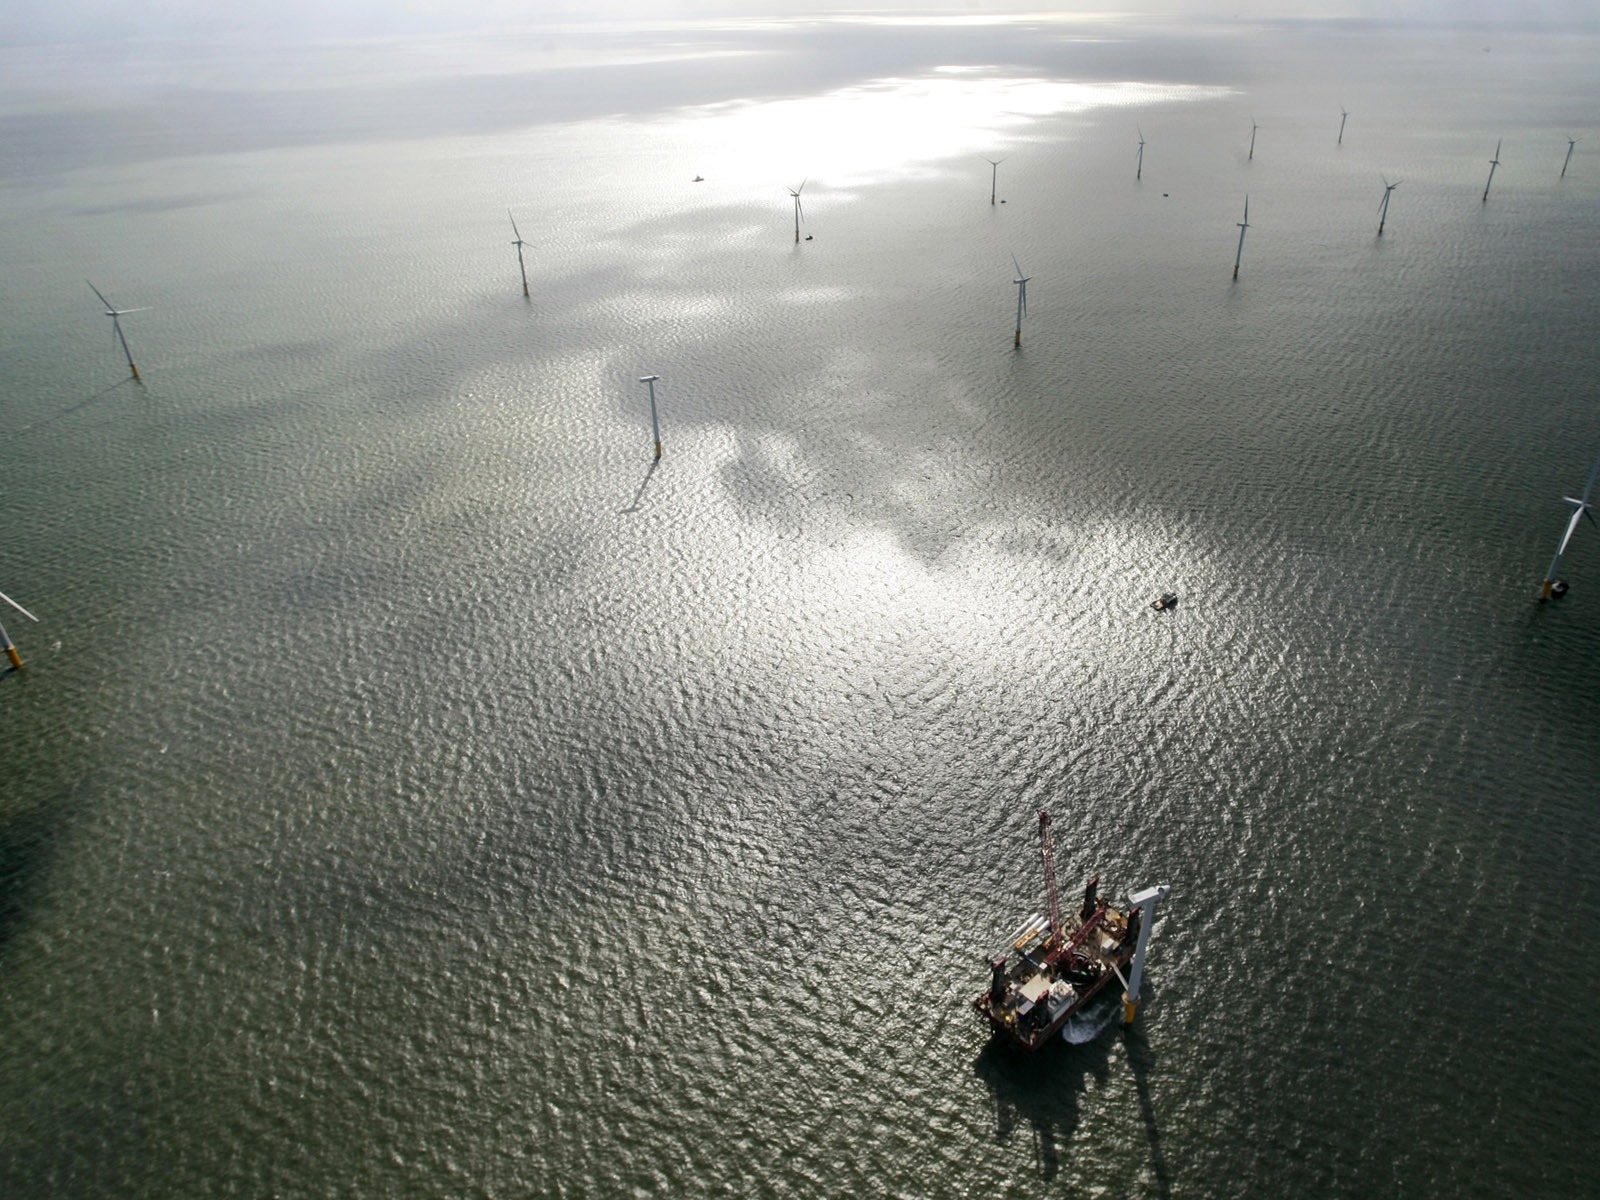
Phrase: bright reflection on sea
(888, 128)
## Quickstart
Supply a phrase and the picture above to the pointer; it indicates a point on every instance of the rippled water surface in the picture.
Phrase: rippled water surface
(414, 790)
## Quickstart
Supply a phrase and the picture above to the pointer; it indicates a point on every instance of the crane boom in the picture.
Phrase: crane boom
(1048, 848)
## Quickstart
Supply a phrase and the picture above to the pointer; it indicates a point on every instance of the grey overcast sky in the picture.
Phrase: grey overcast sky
(29, 21)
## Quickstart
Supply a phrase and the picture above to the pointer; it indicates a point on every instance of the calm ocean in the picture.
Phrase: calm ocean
(414, 791)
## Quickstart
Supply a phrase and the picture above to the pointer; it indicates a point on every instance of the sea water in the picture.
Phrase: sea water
(416, 789)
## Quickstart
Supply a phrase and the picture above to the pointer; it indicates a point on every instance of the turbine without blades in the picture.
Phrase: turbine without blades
(1022, 298)
(994, 175)
(519, 244)
(795, 192)
(5, 638)
(1243, 225)
(1582, 508)
(1139, 173)
(1383, 205)
(1343, 117)
(1493, 163)
(655, 424)
(116, 314)
(1571, 142)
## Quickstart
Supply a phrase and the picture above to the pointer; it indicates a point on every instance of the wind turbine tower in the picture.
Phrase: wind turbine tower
(1493, 163)
(1139, 174)
(1343, 117)
(116, 314)
(1571, 142)
(1243, 225)
(655, 425)
(795, 192)
(1253, 128)
(1383, 205)
(1022, 298)
(519, 244)
(5, 638)
(994, 175)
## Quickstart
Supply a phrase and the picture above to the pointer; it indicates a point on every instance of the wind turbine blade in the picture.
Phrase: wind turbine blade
(1017, 265)
(98, 292)
(1572, 526)
(1589, 487)
(514, 228)
(12, 602)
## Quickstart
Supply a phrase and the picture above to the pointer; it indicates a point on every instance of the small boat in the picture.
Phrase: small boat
(698, 179)
(1167, 600)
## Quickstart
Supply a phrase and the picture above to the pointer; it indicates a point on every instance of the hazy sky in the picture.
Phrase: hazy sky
(23, 21)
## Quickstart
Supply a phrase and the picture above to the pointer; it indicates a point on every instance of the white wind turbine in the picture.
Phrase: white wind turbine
(519, 244)
(1139, 173)
(1022, 298)
(994, 175)
(1383, 205)
(795, 192)
(116, 314)
(1493, 163)
(1243, 225)
(1571, 142)
(1553, 586)
(1343, 117)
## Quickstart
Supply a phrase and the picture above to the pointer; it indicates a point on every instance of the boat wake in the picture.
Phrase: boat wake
(1088, 1024)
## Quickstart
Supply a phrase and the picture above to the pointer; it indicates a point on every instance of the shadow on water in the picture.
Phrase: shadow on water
(45, 422)
(644, 483)
(27, 842)
(1043, 1089)
(1141, 1059)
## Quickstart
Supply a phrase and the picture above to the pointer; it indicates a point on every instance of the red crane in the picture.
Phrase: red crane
(1048, 846)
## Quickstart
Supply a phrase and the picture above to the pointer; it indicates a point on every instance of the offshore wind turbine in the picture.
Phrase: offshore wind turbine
(1139, 174)
(1553, 586)
(1243, 225)
(1253, 128)
(795, 192)
(5, 638)
(1493, 163)
(994, 175)
(1343, 117)
(1022, 298)
(1571, 142)
(116, 314)
(1383, 205)
(655, 425)
(519, 244)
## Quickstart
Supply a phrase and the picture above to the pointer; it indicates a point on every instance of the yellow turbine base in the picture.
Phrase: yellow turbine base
(1545, 594)
(134, 369)
(658, 451)
(1129, 1008)
(11, 653)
